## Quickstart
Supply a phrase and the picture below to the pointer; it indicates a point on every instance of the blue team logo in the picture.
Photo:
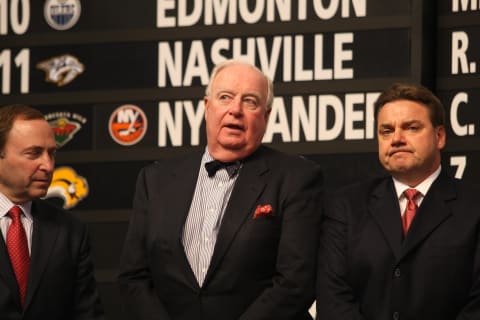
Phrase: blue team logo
(62, 14)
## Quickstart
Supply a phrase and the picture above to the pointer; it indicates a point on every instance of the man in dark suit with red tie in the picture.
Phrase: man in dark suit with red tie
(45, 266)
(231, 232)
(406, 246)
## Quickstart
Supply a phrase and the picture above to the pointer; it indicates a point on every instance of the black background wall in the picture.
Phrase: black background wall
(127, 81)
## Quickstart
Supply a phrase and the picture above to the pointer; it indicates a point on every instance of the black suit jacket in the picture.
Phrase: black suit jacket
(61, 283)
(367, 271)
(261, 268)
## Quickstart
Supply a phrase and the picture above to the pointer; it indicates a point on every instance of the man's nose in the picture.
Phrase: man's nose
(47, 162)
(236, 106)
(397, 137)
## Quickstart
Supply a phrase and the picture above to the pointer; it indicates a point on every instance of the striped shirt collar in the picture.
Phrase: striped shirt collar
(423, 187)
(6, 205)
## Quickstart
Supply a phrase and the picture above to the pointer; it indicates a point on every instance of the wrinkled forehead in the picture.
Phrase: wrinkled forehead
(241, 76)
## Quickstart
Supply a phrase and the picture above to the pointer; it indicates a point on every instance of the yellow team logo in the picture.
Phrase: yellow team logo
(69, 186)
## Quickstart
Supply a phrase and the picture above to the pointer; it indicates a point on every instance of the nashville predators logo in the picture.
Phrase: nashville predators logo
(62, 69)
(69, 186)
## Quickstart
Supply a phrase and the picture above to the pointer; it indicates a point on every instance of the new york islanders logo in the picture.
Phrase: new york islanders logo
(68, 186)
(127, 125)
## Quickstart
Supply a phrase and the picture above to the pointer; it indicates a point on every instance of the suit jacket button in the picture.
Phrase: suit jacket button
(397, 273)
(396, 315)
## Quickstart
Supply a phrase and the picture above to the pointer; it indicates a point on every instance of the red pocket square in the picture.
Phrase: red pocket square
(265, 210)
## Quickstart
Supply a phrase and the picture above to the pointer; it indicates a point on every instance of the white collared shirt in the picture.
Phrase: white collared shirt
(201, 227)
(26, 218)
(423, 188)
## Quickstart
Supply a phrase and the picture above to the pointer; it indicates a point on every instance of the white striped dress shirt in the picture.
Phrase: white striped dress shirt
(205, 216)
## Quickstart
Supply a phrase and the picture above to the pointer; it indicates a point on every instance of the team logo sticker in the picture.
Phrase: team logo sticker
(61, 69)
(65, 125)
(62, 14)
(68, 186)
(127, 125)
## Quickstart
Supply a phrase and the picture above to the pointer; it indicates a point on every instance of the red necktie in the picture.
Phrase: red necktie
(410, 210)
(17, 246)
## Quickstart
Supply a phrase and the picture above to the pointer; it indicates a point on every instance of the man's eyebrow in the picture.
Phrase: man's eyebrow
(385, 125)
(33, 148)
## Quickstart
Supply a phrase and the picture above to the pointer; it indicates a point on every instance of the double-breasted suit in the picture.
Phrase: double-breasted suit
(61, 283)
(367, 270)
(261, 268)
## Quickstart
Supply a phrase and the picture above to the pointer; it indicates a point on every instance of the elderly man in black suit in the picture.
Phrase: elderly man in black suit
(45, 266)
(229, 233)
(405, 246)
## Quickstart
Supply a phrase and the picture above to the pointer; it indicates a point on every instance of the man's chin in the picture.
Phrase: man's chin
(398, 168)
(38, 193)
(233, 144)
(40, 184)
(400, 163)
(236, 151)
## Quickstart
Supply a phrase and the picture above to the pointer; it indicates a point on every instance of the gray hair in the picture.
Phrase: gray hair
(231, 62)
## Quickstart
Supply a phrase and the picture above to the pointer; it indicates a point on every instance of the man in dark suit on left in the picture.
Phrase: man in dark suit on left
(45, 267)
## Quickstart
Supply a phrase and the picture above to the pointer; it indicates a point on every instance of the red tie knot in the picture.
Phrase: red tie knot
(15, 213)
(410, 194)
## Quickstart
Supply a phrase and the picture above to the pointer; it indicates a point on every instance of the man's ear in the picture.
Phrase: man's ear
(267, 114)
(205, 104)
(441, 137)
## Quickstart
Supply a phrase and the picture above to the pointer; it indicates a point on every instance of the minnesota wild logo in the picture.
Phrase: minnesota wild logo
(64, 126)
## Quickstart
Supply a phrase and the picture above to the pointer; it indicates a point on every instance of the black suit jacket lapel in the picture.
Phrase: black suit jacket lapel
(248, 187)
(179, 191)
(384, 208)
(45, 233)
(7, 275)
(432, 212)
(178, 195)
